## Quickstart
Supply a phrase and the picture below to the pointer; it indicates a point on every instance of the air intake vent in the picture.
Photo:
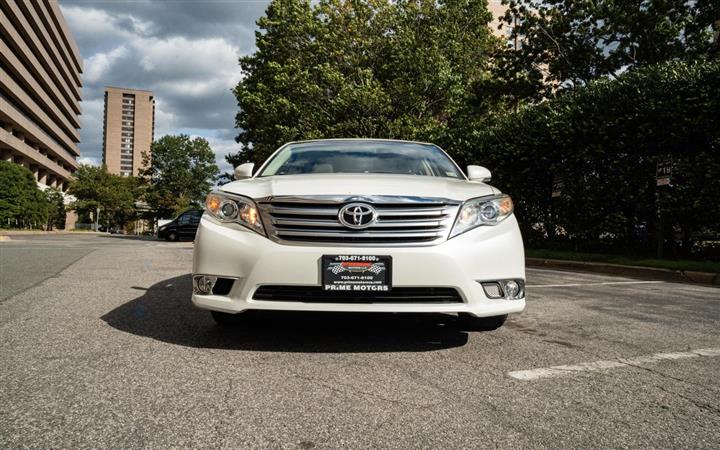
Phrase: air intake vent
(315, 294)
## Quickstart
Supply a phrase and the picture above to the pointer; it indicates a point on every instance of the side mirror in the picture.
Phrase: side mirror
(478, 173)
(244, 171)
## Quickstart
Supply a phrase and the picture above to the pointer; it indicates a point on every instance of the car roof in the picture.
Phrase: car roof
(360, 140)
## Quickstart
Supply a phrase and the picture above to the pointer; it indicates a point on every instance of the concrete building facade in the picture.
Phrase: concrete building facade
(128, 129)
(40, 91)
(498, 11)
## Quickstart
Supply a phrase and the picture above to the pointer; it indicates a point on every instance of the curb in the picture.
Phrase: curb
(8, 233)
(682, 276)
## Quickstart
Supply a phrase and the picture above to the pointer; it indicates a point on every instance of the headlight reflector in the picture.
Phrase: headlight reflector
(234, 208)
(489, 210)
(229, 209)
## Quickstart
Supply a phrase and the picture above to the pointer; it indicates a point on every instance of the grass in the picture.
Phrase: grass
(673, 264)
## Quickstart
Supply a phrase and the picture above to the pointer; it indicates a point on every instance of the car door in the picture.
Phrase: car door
(194, 224)
(182, 226)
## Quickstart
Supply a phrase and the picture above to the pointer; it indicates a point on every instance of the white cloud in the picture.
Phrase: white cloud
(97, 66)
(186, 54)
(89, 161)
(164, 120)
(179, 56)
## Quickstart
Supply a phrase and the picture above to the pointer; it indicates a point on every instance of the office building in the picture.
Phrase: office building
(40, 91)
(128, 129)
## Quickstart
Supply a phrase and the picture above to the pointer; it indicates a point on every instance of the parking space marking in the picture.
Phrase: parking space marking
(555, 371)
(601, 283)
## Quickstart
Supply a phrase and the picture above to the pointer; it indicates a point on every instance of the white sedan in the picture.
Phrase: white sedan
(360, 225)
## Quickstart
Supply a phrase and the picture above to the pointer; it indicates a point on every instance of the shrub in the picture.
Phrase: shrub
(604, 142)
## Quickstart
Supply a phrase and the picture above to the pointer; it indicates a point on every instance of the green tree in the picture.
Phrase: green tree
(567, 43)
(344, 68)
(180, 173)
(22, 203)
(56, 209)
(115, 196)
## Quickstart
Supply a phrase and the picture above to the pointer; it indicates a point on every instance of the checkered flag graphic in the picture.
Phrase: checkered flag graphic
(376, 268)
(338, 269)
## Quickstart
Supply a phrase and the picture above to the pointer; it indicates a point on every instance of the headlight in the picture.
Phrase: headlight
(233, 208)
(489, 210)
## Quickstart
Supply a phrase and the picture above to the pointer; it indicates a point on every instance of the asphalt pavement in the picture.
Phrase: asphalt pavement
(100, 347)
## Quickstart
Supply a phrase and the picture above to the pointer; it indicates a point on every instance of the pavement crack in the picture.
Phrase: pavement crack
(662, 374)
(701, 405)
(627, 362)
(226, 413)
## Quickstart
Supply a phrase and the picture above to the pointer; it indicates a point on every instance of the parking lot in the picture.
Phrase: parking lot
(100, 347)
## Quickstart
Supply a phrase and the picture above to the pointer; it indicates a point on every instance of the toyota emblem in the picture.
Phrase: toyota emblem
(357, 215)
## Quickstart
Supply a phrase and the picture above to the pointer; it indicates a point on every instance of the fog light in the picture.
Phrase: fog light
(203, 284)
(513, 289)
(507, 289)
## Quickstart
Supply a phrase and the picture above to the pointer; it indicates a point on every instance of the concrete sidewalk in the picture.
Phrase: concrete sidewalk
(652, 273)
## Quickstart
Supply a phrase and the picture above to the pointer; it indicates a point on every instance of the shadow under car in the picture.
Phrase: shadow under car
(164, 312)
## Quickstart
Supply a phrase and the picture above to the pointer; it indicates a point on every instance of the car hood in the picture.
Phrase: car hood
(359, 185)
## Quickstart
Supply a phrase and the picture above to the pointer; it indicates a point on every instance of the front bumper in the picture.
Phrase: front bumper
(483, 254)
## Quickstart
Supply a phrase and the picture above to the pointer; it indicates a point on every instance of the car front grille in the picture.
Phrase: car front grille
(400, 221)
(315, 294)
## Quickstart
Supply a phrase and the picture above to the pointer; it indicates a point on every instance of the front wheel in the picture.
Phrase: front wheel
(172, 237)
(472, 323)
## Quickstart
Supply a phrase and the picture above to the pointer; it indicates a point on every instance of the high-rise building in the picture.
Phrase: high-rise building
(128, 129)
(40, 86)
(498, 10)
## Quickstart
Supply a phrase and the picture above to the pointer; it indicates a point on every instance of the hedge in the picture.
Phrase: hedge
(601, 145)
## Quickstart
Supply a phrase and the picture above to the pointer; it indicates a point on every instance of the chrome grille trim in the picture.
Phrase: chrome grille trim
(401, 221)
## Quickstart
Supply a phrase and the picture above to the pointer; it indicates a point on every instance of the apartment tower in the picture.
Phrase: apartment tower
(40, 85)
(498, 10)
(128, 129)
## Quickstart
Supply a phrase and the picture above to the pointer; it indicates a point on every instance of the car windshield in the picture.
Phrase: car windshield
(401, 158)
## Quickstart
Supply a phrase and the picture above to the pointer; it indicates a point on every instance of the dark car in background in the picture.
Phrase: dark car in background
(183, 227)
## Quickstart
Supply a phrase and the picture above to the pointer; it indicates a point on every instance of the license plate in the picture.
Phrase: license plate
(357, 273)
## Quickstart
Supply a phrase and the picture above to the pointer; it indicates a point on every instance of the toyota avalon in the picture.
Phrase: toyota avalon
(360, 225)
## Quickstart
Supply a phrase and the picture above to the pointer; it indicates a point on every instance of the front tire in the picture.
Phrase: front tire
(471, 323)
(172, 236)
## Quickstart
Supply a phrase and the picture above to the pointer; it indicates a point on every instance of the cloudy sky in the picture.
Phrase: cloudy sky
(185, 51)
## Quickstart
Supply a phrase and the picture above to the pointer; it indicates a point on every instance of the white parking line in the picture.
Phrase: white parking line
(604, 283)
(555, 371)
